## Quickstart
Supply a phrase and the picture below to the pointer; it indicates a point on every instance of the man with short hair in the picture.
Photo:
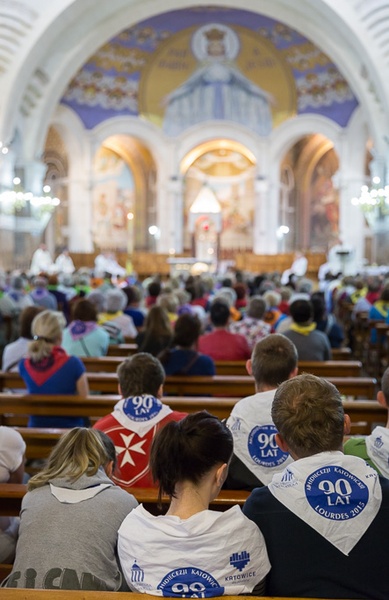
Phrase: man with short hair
(221, 344)
(252, 326)
(325, 517)
(256, 455)
(374, 448)
(136, 418)
(310, 343)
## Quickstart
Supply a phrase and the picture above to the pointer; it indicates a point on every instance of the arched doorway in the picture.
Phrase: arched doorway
(228, 170)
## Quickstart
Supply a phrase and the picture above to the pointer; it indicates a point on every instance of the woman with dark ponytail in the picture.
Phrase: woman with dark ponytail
(192, 551)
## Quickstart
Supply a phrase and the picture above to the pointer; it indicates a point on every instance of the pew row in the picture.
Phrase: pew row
(218, 385)
(123, 350)
(328, 368)
(14, 408)
(11, 496)
(364, 415)
(126, 350)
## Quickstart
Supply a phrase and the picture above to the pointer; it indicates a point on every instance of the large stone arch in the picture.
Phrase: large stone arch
(57, 50)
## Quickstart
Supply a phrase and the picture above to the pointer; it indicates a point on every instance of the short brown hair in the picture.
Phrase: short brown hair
(84, 310)
(308, 412)
(140, 374)
(273, 360)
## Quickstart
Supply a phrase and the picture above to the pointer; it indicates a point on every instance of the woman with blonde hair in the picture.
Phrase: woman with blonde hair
(70, 518)
(48, 369)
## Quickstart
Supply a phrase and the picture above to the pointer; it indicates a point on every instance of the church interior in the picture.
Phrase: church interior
(233, 136)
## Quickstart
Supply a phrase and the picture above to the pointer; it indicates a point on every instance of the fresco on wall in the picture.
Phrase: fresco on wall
(324, 206)
(167, 67)
(113, 199)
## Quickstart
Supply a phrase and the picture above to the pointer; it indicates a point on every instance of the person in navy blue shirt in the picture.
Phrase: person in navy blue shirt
(183, 358)
(49, 370)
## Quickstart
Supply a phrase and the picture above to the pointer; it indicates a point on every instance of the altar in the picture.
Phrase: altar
(183, 265)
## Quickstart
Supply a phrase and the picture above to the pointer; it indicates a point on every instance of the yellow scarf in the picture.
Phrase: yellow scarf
(303, 329)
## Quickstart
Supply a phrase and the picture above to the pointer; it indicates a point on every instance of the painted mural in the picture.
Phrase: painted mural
(113, 199)
(185, 66)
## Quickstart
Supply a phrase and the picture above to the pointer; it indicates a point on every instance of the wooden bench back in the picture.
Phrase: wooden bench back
(328, 368)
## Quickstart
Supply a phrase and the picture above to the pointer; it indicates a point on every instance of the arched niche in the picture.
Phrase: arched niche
(123, 194)
(309, 203)
(229, 169)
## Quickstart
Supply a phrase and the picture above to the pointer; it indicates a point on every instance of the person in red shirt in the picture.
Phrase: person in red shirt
(136, 418)
(221, 344)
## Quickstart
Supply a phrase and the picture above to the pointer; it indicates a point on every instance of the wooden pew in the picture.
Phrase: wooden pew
(11, 496)
(327, 368)
(124, 350)
(219, 385)
(342, 354)
(241, 386)
(40, 440)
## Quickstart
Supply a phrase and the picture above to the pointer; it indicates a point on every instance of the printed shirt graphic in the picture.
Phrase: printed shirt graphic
(339, 496)
(253, 431)
(132, 427)
(377, 447)
(210, 554)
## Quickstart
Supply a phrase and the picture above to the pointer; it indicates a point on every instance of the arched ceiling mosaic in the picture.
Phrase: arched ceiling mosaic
(186, 66)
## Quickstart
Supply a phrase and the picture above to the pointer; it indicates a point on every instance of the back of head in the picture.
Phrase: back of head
(319, 306)
(308, 413)
(80, 451)
(301, 311)
(273, 360)
(154, 288)
(99, 300)
(133, 294)
(256, 308)
(116, 300)
(228, 294)
(272, 298)
(18, 283)
(26, 318)
(84, 310)
(140, 374)
(219, 313)
(169, 302)
(188, 449)
(186, 330)
(157, 322)
(46, 330)
(385, 294)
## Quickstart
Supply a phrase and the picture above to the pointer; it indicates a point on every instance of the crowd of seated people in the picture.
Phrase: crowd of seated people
(314, 524)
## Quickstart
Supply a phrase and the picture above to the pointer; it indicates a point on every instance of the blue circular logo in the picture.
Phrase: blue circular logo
(189, 582)
(263, 448)
(142, 408)
(336, 494)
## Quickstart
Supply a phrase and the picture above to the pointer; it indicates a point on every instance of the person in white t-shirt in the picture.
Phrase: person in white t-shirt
(256, 455)
(12, 453)
(192, 551)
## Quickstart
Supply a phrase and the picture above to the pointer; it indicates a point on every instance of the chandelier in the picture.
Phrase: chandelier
(24, 210)
(374, 203)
